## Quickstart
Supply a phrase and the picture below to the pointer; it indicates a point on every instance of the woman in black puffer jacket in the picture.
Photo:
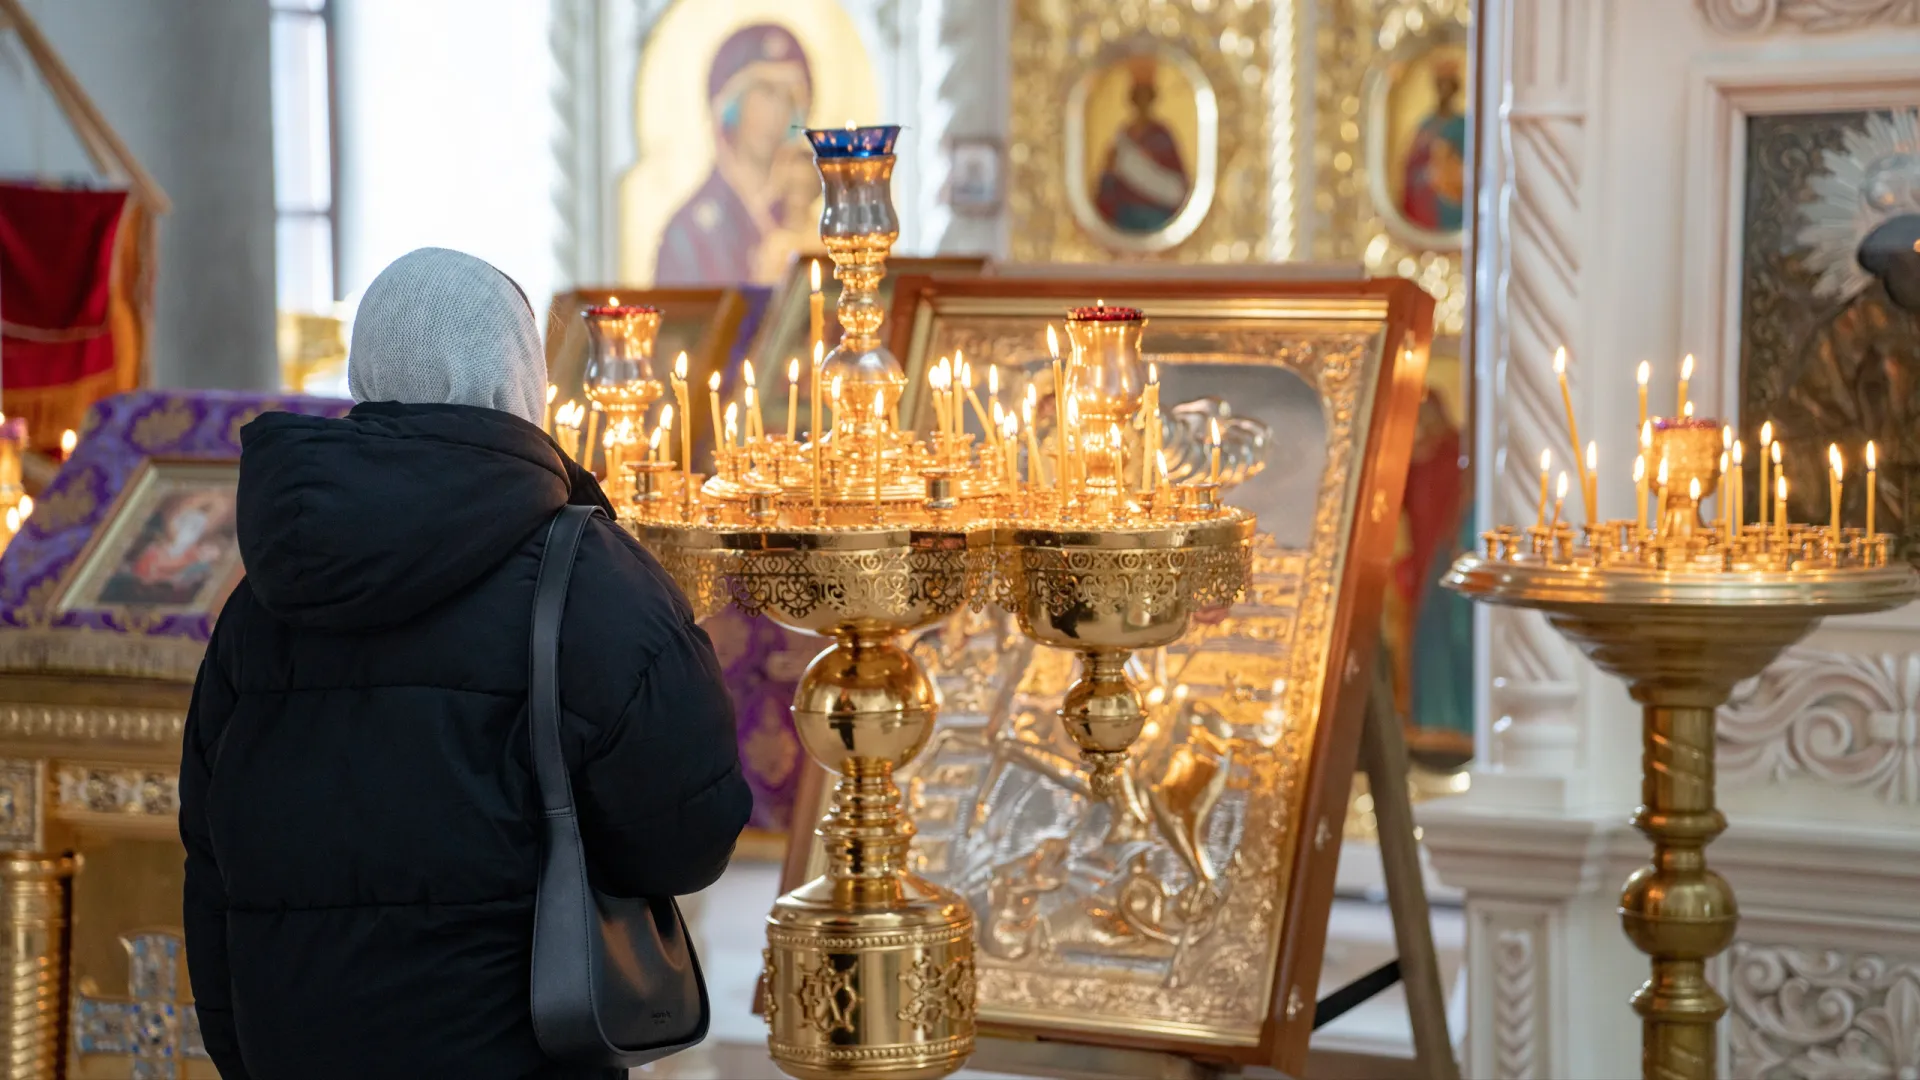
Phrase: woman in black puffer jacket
(357, 803)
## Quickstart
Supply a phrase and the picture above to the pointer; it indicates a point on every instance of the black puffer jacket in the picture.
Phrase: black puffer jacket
(355, 792)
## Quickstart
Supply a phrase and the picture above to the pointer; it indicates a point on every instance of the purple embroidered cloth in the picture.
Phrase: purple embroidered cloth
(120, 433)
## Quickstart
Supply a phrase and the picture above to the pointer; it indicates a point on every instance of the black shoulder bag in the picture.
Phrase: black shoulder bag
(615, 982)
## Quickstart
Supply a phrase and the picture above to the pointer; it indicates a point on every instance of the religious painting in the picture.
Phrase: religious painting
(1186, 910)
(724, 190)
(1830, 306)
(1142, 128)
(1417, 139)
(169, 548)
(703, 323)
(1141, 132)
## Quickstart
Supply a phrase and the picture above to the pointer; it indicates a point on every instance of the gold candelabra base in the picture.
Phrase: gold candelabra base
(1680, 640)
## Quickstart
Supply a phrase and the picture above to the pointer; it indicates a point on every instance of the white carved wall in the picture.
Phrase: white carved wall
(1608, 216)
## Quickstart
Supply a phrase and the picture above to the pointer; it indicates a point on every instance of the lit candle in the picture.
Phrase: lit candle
(1592, 480)
(1150, 426)
(1573, 426)
(815, 434)
(1640, 490)
(1160, 461)
(661, 430)
(68, 441)
(1546, 476)
(686, 414)
(1693, 499)
(1740, 487)
(653, 443)
(833, 397)
(1873, 491)
(1213, 466)
(713, 406)
(1059, 418)
(1660, 499)
(934, 374)
(732, 426)
(1010, 448)
(1036, 474)
(1727, 498)
(966, 382)
(1774, 452)
(793, 395)
(586, 438)
(1780, 505)
(1839, 468)
(879, 420)
(552, 393)
(817, 314)
(1559, 500)
(1686, 411)
(1766, 488)
(753, 425)
(1641, 376)
(1686, 373)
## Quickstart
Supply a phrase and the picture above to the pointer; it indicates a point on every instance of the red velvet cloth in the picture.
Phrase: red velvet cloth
(56, 278)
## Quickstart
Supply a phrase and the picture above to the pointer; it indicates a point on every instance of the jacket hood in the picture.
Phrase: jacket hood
(370, 519)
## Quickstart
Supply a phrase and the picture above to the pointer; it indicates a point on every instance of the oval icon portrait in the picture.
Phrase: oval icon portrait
(1417, 140)
(1142, 133)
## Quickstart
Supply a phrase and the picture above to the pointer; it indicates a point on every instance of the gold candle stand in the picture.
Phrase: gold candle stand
(1680, 639)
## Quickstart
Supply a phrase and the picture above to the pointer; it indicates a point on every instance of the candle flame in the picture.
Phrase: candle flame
(1033, 396)
(1723, 462)
(1009, 425)
(552, 392)
(613, 301)
(1026, 407)
(26, 507)
(879, 406)
(1693, 489)
(1661, 477)
(819, 354)
(1160, 459)
(746, 372)
(1560, 486)
(1053, 342)
(680, 367)
(1560, 360)
(1833, 460)
(1546, 461)
(732, 416)
(815, 274)
(749, 395)
(1776, 452)
(1726, 436)
(1687, 410)
(13, 520)
(1873, 458)
(653, 441)
(1593, 456)
(68, 440)
(1780, 488)
(713, 382)
(1645, 372)
(1686, 367)
(965, 369)
(1766, 433)
(1739, 452)
(793, 371)
(1153, 374)
(836, 388)
(666, 415)
(1639, 468)
(993, 380)
(1646, 435)
(1213, 430)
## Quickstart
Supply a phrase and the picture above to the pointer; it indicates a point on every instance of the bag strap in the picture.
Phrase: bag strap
(543, 686)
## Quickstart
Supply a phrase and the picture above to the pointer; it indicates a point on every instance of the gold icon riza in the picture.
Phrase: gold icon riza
(865, 531)
(1681, 608)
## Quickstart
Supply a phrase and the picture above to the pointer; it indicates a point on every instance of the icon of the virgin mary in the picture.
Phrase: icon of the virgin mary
(1433, 189)
(752, 213)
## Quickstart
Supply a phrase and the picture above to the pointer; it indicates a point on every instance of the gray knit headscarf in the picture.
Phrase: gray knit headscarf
(438, 327)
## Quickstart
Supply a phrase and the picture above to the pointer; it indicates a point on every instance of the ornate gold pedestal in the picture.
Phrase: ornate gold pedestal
(1680, 640)
(34, 890)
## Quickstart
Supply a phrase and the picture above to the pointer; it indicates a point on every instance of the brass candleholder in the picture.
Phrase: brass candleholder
(1681, 612)
(619, 379)
(866, 531)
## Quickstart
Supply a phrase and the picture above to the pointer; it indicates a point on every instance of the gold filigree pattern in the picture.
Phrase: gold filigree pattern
(1055, 42)
(1145, 581)
(851, 584)
(1357, 39)
(827, 997)
(937, 993)
(116, 789)
(92, 724)
(164, 426)
(769, 1001)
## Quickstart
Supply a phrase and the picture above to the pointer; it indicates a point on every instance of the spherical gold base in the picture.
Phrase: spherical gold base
(859, 989)
(1104, 714)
